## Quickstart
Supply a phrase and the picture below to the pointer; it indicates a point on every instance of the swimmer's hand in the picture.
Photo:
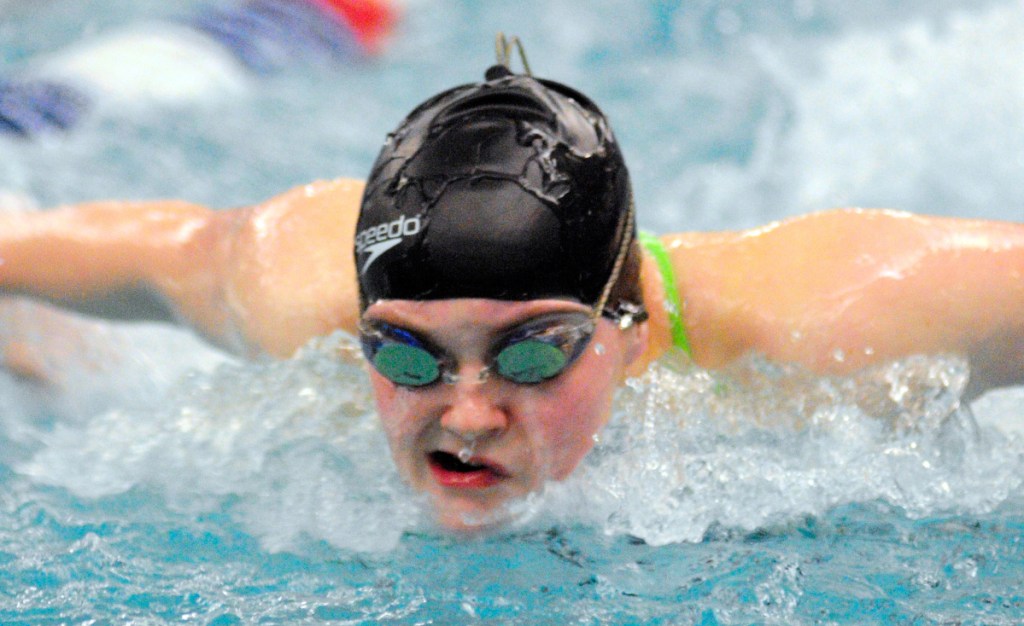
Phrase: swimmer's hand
(34, 107)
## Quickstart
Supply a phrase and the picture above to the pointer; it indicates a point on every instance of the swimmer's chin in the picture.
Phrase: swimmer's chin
(482, 521)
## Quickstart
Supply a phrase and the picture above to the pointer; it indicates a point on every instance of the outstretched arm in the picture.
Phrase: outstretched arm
(259, 279)
(839, 290)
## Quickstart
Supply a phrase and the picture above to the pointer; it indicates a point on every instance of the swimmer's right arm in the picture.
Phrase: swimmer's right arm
(261, 279)
(839, 290)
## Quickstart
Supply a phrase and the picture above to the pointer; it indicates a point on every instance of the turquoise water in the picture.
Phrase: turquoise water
(158, 481)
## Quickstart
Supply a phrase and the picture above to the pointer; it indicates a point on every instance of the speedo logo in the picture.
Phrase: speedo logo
(376, 240)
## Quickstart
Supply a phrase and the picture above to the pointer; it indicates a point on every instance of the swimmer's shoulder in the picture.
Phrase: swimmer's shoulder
(312, 223)
(737, 287)
(293, 273)
(327, 204)
(700, 264)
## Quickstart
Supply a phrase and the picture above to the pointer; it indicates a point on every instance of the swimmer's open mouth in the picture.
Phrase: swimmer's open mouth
(451, 463)
(451, 472)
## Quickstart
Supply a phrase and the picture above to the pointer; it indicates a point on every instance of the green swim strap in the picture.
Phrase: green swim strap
(673, 305)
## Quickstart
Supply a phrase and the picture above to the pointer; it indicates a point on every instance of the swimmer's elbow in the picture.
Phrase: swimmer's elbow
(190, 286)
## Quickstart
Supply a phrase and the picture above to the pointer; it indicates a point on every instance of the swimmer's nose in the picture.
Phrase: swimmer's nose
(473, 411)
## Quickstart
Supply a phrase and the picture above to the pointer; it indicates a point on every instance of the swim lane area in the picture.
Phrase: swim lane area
(159, 481)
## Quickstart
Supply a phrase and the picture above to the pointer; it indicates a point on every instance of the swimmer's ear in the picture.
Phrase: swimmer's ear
(636, 340)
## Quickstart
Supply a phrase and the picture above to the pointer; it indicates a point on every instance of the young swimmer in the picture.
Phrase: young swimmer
(500, 291)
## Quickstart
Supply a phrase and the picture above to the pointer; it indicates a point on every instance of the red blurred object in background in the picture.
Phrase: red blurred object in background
(370, 20)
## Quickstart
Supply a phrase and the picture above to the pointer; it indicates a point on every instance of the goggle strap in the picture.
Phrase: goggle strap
(620, 258)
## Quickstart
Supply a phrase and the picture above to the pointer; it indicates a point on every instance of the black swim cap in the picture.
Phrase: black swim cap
(511, 189)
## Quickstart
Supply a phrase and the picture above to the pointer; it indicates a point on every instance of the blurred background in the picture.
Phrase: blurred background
(731, 112)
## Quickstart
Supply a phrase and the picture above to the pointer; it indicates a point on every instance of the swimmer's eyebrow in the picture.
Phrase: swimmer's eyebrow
(413, 328)
(431, 336)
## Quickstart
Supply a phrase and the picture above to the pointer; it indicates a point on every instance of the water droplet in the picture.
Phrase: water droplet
(599, 349)
(465, 454)
(838, 355)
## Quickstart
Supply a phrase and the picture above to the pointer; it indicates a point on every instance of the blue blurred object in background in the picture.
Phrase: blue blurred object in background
(268, 34)
(35, 106)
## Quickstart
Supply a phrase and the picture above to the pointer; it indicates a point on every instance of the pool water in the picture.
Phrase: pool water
(156, 480)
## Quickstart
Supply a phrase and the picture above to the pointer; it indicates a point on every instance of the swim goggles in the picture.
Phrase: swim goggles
(530, 353)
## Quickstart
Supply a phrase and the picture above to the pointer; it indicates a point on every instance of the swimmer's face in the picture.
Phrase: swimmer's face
(523, 434)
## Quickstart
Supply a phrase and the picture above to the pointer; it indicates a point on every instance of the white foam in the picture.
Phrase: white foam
(294, 442)
(1002, 410)
(918, 116)
(761, 444)
(931, 110)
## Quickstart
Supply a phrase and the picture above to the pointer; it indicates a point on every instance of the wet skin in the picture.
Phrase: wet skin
(523, 434)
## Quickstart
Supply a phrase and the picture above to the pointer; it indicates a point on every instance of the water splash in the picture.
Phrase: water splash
(294, 450)
(760, 444)
(291, 446)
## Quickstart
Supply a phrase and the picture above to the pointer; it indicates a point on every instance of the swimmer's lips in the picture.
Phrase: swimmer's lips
(450, 472)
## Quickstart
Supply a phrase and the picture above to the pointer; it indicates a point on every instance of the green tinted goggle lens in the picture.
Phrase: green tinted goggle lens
(406, 365)
(530, 361)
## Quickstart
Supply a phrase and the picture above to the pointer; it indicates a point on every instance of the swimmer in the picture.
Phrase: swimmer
(214, 53)
(491, 268)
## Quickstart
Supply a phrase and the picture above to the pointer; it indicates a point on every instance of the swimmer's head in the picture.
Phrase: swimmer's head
(510, 189)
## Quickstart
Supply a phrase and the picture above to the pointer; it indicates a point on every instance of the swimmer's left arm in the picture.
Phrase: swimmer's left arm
(839, 290)
(260, 279)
